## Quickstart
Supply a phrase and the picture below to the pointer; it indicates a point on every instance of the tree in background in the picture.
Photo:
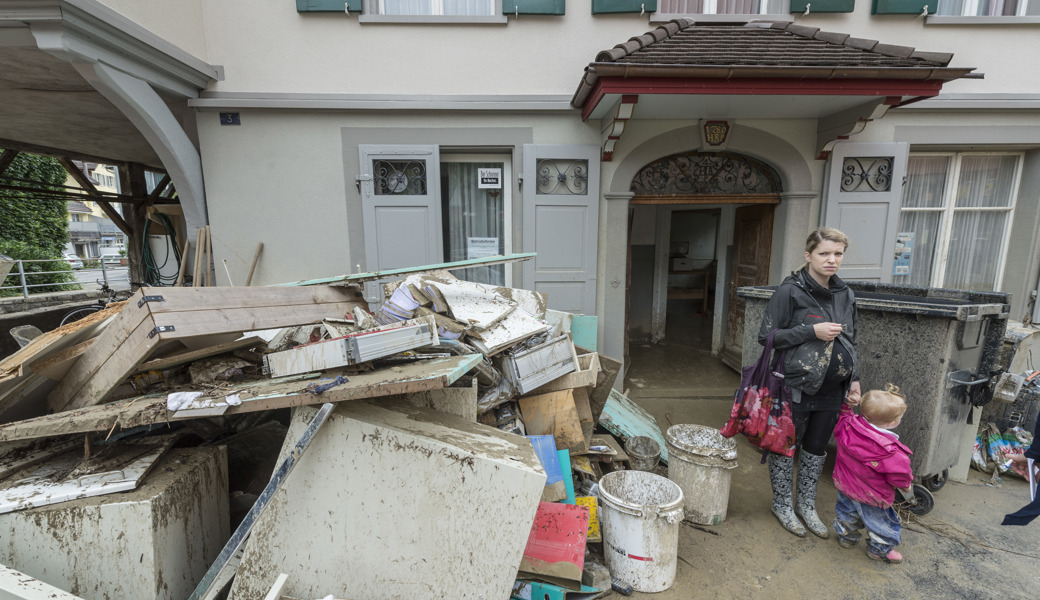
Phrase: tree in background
(34, 227)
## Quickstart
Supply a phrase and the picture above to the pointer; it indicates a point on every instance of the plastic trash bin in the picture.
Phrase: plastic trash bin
(940, 346)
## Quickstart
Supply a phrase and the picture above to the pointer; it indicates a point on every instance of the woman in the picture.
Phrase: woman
(814, 315)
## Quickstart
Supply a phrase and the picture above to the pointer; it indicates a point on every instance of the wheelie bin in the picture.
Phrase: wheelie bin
(940, 346)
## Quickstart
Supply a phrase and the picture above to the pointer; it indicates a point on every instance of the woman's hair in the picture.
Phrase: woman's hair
(828, 234)
(882, 407)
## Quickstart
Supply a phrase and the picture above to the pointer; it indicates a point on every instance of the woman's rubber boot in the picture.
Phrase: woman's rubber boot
(781, 476)
(809, 468)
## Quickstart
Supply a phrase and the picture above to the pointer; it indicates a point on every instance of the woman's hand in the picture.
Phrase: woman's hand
(1020, 465)
(827, 331)
(852, 399)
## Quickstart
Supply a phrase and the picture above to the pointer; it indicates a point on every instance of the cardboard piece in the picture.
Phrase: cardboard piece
(554, 414)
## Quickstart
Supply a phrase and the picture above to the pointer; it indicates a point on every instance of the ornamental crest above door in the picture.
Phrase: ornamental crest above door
(710, 173)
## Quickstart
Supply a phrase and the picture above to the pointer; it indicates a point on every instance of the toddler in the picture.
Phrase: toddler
(871, 464)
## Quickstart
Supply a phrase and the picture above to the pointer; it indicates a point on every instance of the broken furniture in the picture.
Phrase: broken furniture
(152, 542)
(406, 513)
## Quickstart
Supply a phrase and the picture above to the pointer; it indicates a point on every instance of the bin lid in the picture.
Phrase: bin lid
(702, 441)
(960, 305)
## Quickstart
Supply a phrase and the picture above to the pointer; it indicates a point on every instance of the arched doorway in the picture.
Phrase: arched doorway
(700, 225)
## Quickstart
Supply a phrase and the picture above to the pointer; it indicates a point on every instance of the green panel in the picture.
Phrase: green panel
(903, 7)
(584, 329)
(623, 6)
(534, 7)
(328, 5)
(823, 6)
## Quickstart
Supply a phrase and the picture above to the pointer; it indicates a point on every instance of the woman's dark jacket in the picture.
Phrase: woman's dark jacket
(797, 304)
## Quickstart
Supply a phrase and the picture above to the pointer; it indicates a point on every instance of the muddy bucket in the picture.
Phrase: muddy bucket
(700, 462)
(640, 514)
(643, 453)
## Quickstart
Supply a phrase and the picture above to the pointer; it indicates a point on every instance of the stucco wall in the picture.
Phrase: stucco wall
(182, 22)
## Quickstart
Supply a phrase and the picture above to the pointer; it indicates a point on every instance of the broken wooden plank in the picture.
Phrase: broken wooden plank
(156, 315)
(394, 273)
(554, 414)
(184, 358)
(626, 419)
(55, 366)
(256, 396)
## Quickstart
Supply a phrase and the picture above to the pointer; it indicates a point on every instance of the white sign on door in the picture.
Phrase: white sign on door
(490, 179)
(481, 247)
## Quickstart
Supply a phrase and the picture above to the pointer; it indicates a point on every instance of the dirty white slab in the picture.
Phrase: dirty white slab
(515, 328)
(154, 542)
(473, 304)
(51, 482)
(422, 504)
(15, 585)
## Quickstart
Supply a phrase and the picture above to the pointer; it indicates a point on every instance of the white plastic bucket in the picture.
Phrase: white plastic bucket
(643, 453)
(700, 462)
(640, 514)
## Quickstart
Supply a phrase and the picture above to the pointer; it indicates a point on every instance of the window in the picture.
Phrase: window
(988, 8)
(475, 201)
(721, 7)
(955, 218)
(452, 8)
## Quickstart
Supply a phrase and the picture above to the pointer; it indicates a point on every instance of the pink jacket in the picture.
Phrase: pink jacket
(870, 464)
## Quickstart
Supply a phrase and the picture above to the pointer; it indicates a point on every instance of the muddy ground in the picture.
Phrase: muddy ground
(958, 550)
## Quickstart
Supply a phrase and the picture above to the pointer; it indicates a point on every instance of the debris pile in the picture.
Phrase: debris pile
(292, 442)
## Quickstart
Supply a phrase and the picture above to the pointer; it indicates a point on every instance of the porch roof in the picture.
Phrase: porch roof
(682, 59)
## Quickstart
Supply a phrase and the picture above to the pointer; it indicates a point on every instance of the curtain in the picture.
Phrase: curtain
(438, 7)
(471, 212)
(925, 229)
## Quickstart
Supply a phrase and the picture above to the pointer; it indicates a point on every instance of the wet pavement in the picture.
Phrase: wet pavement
(959, 550)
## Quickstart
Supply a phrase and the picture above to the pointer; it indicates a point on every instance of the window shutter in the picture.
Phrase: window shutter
(623, 6)
(903, 7)
(328, 6)
(823, 6)
(534, 7)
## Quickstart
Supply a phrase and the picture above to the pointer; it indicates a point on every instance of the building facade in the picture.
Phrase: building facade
(652, 173)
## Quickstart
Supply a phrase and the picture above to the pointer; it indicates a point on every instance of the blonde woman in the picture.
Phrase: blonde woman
(814, 315)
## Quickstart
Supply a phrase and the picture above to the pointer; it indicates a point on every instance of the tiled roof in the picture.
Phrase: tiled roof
(764, 44)
(77, 207)
(681, 49)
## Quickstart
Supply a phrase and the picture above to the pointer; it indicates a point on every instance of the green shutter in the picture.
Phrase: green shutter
(903, 7)
(534, 7)
(623, 6)
(328, 6)
(823, 6)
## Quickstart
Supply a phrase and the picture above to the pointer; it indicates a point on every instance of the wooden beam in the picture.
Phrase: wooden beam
(268, 394)
(92, 191)
(186, 357)
(58, 153)
(159, 189)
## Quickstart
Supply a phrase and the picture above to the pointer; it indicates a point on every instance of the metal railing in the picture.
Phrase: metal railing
(18, 270)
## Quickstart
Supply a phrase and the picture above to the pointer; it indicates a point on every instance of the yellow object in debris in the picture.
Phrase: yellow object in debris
(592, 503)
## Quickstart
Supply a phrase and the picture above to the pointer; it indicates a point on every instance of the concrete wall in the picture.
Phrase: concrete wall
(154, 542)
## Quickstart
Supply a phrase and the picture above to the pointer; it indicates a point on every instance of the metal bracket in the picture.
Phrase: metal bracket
(146, 299)
(160, 329)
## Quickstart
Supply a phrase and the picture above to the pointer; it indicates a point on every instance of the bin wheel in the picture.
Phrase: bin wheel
(925, 501)
(936, 482)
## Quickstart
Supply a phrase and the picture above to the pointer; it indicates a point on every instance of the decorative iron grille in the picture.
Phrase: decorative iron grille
(866, 174)
(399, 177)
(708, 173)
(563, 177)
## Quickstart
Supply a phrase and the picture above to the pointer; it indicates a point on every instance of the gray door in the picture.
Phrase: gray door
(865, 183)
(400, 199)
(561, 221)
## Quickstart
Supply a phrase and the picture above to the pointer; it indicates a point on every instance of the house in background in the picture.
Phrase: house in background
(655, 154)
(91, 232)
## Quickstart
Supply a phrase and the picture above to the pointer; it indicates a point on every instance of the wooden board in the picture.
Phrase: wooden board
(56, 365)
(626, 419)
(554, 414)
(184, 358)
(256, 396)
(586, 375)
(186, 313)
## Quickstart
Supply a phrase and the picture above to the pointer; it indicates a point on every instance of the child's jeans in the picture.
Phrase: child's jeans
(882, 524)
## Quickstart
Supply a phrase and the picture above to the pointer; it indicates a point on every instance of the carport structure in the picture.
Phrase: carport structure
(78, 81)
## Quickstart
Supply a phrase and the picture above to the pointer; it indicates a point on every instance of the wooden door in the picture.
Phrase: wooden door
(753, 239)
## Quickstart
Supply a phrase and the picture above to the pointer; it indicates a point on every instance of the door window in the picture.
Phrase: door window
(475, 202)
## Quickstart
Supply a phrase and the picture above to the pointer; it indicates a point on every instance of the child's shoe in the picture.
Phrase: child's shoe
(848, 541)
(892, 557)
